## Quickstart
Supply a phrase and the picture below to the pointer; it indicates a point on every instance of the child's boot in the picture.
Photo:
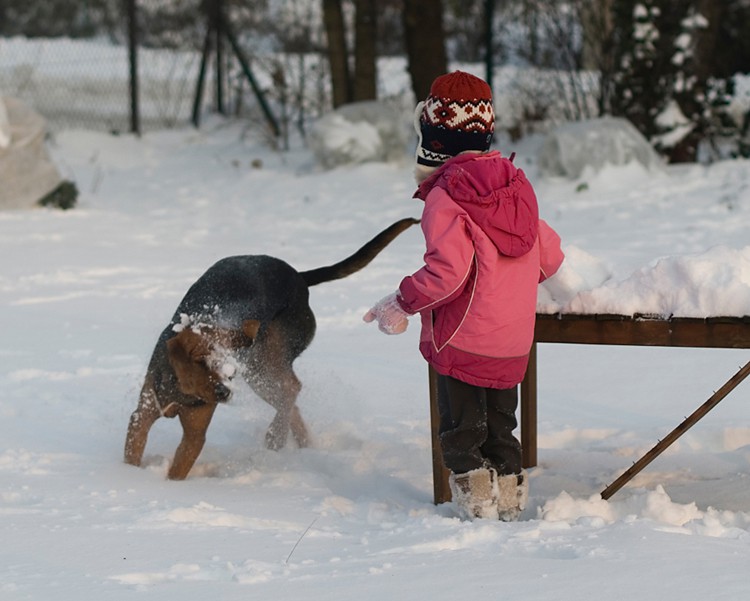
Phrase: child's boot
(512, 496)
(475, 493)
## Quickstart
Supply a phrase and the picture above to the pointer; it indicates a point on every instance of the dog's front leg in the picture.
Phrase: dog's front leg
(139, 425)
(195, 421)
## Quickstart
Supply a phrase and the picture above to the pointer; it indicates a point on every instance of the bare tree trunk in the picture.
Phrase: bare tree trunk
(489, 39)
(333, 19)
(597, 20)
(532, 24)
(694, 106)
(707, 40)
(365, 53)
(425, 43)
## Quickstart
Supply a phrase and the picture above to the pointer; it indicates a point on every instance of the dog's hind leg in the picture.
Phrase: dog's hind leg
(299, 429)
(288, 417)
(140, 423)
(195, 421)
(280, 389)
(274, 380)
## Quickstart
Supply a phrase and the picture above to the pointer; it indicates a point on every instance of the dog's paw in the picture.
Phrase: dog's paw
(274, 440)
(302, 439)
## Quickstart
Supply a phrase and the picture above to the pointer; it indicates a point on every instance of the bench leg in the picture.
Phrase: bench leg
(687, 423)
(440, 474)
(528, 413)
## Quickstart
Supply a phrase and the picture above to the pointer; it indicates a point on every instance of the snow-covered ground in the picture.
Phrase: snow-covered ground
(84, 294)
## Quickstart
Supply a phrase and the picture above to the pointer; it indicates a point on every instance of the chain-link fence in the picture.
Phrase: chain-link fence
(49, 61)
(122, 65)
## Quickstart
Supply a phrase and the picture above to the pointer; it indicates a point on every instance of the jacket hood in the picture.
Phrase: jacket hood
(495, 194)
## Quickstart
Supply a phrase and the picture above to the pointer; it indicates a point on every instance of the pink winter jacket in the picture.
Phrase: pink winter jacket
(487, 250)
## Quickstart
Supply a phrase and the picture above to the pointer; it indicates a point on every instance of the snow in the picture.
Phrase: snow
(361, 132)
(674, 122)
(85, 293)
(571, 148)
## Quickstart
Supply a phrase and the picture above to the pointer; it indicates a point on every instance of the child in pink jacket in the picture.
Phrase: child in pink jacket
(487, 250)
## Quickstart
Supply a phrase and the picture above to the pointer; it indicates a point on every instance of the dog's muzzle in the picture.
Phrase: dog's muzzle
(222, 392)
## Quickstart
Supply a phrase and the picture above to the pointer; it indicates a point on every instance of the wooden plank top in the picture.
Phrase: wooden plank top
(644, 330)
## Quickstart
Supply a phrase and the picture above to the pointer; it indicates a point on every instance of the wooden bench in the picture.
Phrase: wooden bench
(637, 330)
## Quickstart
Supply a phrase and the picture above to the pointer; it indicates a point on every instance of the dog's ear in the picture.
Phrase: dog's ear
(185, 349)
(250, 328)
(175, 349)
(197, 346)
(185, 353)
(178, 357)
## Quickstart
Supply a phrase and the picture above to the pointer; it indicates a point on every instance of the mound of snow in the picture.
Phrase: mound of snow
(573, 147)
(26, 171)
(710, 284)
(360, 132)
(580, 271)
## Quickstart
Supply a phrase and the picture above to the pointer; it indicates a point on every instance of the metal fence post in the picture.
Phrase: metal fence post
(135, 113)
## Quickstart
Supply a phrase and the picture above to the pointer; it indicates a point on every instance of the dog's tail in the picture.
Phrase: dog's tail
(360, 258)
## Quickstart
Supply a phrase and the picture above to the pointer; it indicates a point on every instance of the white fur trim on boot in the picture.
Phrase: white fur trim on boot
(513, 495)
(475, 493)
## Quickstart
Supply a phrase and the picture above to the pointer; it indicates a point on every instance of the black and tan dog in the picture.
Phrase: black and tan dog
(248, 314)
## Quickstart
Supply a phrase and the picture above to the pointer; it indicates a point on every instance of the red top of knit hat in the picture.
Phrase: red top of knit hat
(460, 86)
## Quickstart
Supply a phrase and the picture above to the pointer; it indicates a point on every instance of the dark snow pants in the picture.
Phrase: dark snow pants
(476, 427)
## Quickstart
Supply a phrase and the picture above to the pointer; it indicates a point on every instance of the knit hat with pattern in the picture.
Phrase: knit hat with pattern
(456, 116)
